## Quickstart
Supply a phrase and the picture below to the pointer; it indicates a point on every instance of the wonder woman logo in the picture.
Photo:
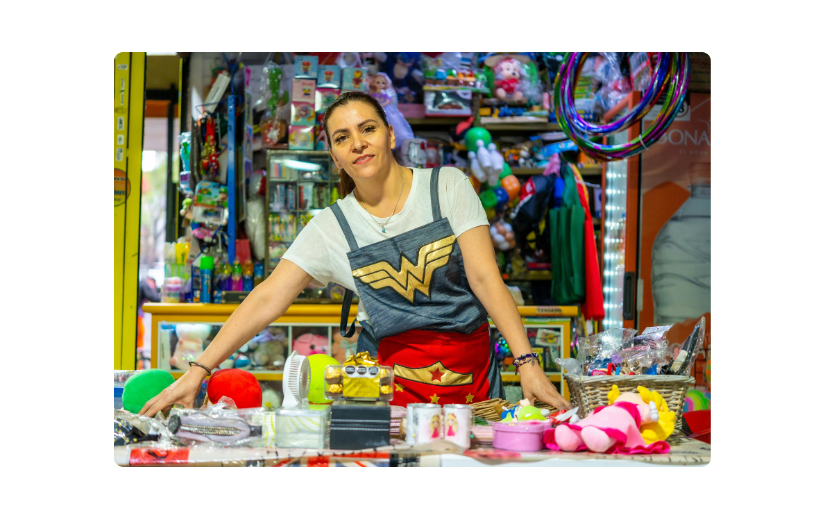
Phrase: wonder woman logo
(411, 277)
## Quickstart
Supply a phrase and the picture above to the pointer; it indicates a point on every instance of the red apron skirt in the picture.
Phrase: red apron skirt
(438, 367)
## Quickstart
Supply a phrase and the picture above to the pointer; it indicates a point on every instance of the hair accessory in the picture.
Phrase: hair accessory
(208, 371)
(527, 358)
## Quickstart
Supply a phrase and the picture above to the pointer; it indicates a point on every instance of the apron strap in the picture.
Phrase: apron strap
(434, 194)
(345, 315)
(342, 221)
(353, 245)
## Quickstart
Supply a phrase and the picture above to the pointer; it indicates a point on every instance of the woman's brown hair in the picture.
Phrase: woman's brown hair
(347, 184)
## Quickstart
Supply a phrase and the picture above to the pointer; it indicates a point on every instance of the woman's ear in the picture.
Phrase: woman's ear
(392, 137)
(334, 161)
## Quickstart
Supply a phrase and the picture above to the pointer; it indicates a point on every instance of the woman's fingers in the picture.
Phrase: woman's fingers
(148, 405)
(555, 399)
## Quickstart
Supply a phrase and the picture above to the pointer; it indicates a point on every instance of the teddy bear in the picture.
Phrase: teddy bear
(266, 351)
(310, 344)
(190, 344)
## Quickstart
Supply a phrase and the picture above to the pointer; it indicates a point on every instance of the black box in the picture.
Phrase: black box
(355, 427)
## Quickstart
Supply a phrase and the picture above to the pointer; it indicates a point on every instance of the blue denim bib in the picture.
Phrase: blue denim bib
(413, 281)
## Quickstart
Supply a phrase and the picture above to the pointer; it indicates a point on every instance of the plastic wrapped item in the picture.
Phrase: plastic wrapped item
(220, 424)
(687, 354)
(595, 351)
(572, 366)
(359, 378)
(614, 86)
(132, 428)
(211, 201)
(448, 103)
(185, 185)
(302, 428)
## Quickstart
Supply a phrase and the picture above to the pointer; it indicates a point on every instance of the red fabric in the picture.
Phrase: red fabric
(457, 352)
(509, 85)
(237, 384)
(593, 305)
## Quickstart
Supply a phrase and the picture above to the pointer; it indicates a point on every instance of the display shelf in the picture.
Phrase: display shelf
(436, 121)
(259, 375)
(519, 126)
(591, 171)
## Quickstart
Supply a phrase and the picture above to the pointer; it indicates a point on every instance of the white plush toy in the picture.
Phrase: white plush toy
(190, 344)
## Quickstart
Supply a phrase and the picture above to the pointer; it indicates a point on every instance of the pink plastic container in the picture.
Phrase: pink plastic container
(520, 436)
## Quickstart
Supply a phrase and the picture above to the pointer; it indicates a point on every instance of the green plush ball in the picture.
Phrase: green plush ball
(506, 171)
(143, 387)
(488, 198)
(473, 135)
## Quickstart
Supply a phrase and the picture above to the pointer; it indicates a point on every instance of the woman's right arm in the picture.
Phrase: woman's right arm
(266, 303)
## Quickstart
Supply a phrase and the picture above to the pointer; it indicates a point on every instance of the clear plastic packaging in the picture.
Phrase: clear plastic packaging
(302, 428)
(359, 378)
(687, 354)
(220, 424)
(595, 351)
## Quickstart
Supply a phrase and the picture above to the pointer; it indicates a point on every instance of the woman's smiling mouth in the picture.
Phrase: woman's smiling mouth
(363, 159)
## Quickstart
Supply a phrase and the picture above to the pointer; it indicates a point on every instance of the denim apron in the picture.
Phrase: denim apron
(414, 284)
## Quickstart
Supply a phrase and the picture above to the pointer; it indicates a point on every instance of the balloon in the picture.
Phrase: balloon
(489, 198)
(317, 364)
(506, 171)
(511, 185)
(695, 400)
(491, 213)
(502, 196)
(475, 134)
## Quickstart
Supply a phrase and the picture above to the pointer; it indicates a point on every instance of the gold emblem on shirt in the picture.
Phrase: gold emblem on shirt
(411, 277)
(435, 374)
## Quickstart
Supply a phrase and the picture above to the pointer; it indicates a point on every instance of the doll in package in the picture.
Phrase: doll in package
(382, 90)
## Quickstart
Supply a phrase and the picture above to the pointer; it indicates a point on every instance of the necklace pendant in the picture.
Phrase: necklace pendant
(383, 230)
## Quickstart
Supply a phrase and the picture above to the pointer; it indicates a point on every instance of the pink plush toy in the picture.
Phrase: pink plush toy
(310, 344)
(632, 424)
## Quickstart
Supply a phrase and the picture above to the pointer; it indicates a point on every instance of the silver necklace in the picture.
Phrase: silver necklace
(384, 225)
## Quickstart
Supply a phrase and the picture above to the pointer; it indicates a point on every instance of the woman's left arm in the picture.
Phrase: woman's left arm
(486, 283)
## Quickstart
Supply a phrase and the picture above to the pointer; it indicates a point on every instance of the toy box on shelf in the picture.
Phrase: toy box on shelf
(301, 184)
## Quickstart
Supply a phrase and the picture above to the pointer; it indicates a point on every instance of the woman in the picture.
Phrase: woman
(397, 239)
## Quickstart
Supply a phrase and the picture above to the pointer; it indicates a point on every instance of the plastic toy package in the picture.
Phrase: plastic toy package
(448, 103)
(130, 428)
(513, 79)
(614, 86)
(596, 350)
(685, 356)
(218, 425)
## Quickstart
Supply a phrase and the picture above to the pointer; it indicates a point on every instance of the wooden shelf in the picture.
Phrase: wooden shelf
(591, 171)
(521, 127)
(436, 121)
(526, 171)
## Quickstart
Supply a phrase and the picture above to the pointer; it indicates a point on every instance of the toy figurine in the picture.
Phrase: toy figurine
(209, 154)
(381, 89)
(631, 424)
(190, 344)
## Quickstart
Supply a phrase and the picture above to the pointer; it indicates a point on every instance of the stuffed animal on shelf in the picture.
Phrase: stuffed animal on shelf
(631, 424)
(266, 350)
(309, 344)
(190, 344)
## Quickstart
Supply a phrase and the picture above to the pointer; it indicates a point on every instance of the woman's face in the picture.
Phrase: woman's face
(359, 142)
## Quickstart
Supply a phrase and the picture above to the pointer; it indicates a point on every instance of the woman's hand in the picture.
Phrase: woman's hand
(183, 391)
(536, 386)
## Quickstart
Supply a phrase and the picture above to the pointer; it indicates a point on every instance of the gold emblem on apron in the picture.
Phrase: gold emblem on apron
(436, 374)
(411, 277)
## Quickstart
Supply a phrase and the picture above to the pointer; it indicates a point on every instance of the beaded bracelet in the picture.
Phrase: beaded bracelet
(528, 358)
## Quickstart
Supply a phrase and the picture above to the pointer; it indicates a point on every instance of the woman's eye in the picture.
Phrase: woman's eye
(369, 129)
(340, 139)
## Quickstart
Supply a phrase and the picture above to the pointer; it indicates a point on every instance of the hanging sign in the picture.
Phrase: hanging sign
(122, 187)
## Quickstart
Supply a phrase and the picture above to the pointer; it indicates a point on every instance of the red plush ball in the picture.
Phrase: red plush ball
(237, 384)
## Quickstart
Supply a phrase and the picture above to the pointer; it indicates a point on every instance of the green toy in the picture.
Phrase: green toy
(317, 364)
(505, 171)
(143, 387)
(488, 198)
(278, 98)
(475, 134)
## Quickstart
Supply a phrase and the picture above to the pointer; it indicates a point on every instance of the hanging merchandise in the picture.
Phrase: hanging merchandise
(382, 90)
(567, 243)
(210, 167)
(670, 78)
(514, 78)
(185, 185)
(210, 203)
(593, 304)
(273, 125)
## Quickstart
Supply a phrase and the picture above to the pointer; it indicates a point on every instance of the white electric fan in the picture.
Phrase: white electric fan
(296, 381)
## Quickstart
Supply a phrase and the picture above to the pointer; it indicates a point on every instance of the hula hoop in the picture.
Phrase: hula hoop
(670, 78)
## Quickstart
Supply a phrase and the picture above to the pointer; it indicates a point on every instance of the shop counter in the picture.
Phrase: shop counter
(548, 329)
(684, 452)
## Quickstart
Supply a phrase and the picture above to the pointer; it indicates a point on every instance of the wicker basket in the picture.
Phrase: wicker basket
(589, 393)
(486, 409)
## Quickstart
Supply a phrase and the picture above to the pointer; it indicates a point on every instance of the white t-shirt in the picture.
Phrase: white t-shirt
(320, 249)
